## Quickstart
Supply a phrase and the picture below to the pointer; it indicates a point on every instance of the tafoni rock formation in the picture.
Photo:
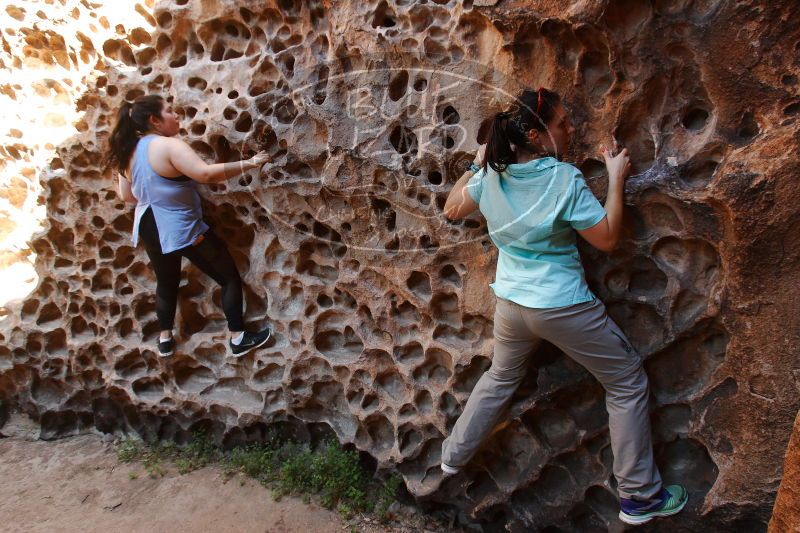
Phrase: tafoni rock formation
(380, 306)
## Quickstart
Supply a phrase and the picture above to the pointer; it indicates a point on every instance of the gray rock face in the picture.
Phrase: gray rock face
(380, 306)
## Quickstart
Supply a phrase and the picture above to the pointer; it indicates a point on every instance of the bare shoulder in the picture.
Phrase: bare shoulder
(162, 154)
(169, 143)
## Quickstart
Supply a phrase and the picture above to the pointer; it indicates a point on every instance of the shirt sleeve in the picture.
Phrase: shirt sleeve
(475, 185)
(583, 210)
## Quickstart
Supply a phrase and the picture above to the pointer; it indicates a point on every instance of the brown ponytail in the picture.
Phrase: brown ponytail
(132, 123)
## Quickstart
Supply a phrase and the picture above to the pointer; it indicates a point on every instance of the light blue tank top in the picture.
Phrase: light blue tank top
(175, 204)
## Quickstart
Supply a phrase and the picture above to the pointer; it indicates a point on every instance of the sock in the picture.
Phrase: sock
(238, 338)
(161, 337)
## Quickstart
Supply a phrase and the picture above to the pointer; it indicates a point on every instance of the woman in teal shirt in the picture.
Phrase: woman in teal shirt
(534, 204)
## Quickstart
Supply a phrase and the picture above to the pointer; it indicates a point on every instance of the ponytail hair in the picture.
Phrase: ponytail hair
(535, 109)
(132, 123)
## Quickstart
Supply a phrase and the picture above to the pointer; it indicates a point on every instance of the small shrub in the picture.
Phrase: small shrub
(258, 461)
(129, 450)
(198, 453)
(334, 473)
(295, 476)
(331, 472)
(387, 495)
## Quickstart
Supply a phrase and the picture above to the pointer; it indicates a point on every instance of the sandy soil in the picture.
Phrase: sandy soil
(77, 484)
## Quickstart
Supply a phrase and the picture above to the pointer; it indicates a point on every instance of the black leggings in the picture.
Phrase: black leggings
(211, 256)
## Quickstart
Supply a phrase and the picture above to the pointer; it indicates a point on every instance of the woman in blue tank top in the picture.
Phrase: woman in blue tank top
(159, 173)
(534, 205)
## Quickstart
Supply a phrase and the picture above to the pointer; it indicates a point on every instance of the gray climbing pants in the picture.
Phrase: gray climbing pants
(586, 334)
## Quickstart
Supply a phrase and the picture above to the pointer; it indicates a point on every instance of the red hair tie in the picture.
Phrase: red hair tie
(539, 100)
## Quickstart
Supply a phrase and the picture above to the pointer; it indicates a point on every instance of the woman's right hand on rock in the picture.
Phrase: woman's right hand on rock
(618, 166)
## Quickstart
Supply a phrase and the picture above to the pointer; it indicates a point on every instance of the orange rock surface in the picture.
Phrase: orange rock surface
(786, 514)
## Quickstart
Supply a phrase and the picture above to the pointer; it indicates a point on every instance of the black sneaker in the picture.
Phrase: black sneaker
(166, 348)
(250, 341)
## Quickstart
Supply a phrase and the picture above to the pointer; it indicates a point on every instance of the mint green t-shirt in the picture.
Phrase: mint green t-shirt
(532, 211)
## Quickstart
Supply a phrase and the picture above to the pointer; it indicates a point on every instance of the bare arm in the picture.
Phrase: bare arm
(605, 234)
(186, 161)
(459, 203)
(124, 190)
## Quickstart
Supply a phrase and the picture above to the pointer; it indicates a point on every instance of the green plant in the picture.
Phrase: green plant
(129, 450)
(198, 453)
(295, 471)
(387, 494)
(184, 466)
(258, 461)
(153, 463)
(331, 472)
(160, 454)
(334, 473)
(155, 470)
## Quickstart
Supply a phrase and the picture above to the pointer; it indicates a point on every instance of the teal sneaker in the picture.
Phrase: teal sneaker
(669, 501)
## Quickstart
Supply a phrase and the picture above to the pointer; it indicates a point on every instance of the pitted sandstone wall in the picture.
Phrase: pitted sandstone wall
(381, 309)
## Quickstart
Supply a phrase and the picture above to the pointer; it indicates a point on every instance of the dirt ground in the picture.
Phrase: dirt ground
(77, 484)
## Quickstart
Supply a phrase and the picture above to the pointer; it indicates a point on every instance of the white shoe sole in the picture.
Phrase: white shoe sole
(449, 470)
(637, 521)
(259, 345)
